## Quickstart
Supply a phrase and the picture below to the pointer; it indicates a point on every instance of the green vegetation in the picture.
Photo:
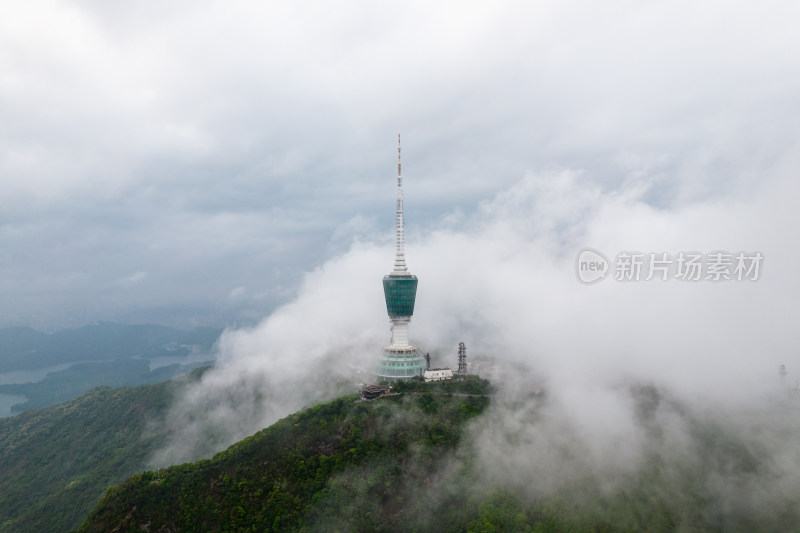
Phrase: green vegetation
(342, 465)
(467, 385)
(56, 462)
(400, 463)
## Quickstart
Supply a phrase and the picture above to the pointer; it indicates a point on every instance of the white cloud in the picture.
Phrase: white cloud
(237, 292)
(506, 285)
(134, 279)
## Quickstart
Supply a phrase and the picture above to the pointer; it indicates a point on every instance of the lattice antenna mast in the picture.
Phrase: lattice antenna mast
(462, 359)
(400, 257)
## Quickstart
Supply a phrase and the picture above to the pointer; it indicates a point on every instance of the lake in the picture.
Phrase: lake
(7, 401)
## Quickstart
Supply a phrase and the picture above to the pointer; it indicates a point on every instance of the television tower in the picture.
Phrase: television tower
(399, 359)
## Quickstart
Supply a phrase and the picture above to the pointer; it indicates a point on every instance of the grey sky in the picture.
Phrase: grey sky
(187, 164)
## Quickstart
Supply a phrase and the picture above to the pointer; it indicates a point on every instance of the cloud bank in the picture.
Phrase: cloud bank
(595, 380)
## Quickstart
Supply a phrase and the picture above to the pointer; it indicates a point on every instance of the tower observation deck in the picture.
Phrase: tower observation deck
(399, 359)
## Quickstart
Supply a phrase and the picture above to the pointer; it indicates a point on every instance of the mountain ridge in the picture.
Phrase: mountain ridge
(293, 475)
(57, 461)
(27, 348)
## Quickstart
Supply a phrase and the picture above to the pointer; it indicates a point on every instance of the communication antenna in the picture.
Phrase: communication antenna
(782, 372)
(399, 172)
(428, 361)
(400, 257)
(462, 359)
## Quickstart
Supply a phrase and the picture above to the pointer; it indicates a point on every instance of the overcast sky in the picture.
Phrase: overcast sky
(187, 162)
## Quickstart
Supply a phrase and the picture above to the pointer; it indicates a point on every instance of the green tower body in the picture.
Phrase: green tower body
(400, 293)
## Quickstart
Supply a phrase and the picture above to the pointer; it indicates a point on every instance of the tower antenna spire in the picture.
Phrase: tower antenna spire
(400, 257)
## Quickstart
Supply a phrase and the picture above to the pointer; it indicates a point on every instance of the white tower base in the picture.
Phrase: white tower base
(400, 362)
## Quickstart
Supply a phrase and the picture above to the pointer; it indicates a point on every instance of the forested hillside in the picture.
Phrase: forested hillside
(56, 462)
(411, 462)
(342, 465)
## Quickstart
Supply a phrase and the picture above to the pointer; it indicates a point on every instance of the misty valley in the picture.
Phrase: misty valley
(464, 455)
(39, 369)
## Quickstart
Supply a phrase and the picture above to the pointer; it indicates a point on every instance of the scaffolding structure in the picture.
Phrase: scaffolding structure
(462, 359)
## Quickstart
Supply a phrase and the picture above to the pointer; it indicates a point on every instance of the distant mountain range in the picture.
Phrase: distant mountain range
(25, 348)
(101, 354)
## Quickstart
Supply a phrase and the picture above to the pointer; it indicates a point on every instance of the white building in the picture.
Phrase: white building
(438, 374)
